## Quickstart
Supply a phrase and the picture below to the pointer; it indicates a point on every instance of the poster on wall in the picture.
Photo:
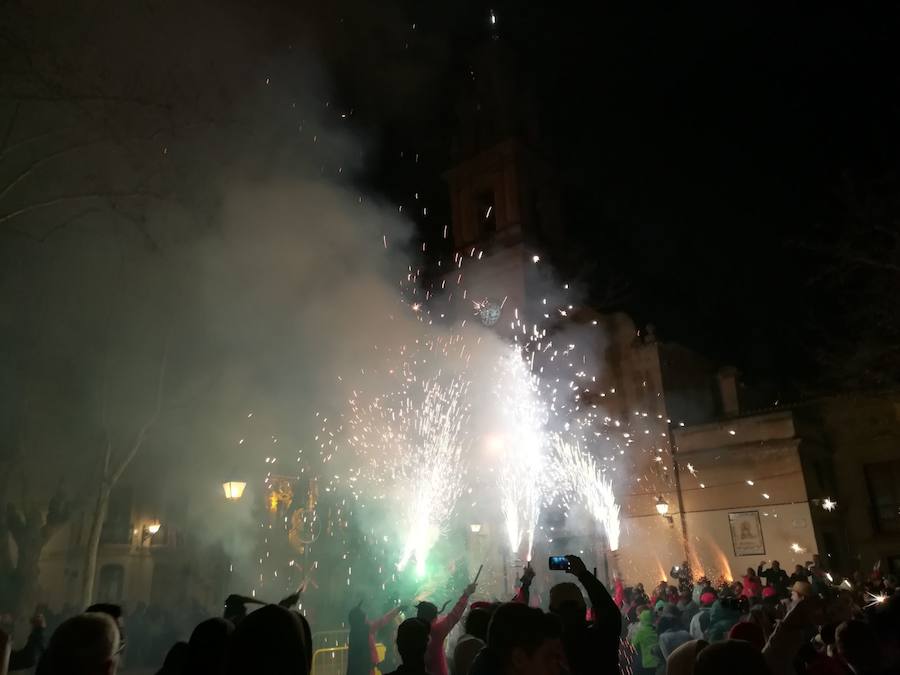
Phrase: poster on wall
(746, 533)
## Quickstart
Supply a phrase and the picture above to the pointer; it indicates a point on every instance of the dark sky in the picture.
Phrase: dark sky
(700, 149)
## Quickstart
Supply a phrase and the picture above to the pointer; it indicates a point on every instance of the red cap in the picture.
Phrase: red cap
(708, 598)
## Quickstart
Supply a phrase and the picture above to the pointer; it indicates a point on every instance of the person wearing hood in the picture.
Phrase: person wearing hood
(435, 659)
(646, 644)
(671, 635)
(591, 646)
(723, 615)
(362, 654)
(700, 621)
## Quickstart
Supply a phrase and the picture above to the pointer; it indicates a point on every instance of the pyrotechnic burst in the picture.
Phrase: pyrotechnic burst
(524, 416)
(829, 504)
(584, 481)
(414, 450)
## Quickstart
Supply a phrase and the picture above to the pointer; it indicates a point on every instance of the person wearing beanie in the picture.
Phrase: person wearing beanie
(700, 621)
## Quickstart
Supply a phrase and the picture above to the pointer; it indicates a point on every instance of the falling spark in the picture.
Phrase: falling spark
(829, 504)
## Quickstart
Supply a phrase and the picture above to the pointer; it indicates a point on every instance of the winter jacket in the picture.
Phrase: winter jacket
(646, 640)
(700, 623)
(776, 578)
(672, 640)
(435, 660)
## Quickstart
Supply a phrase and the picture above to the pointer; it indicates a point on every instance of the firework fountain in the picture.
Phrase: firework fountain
(524, 416)
(430, 465)
(584, 483)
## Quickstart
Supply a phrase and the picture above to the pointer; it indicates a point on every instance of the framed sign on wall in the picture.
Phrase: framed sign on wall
(746, 533)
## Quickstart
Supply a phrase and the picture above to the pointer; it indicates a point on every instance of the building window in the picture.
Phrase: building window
(883, 479)
(111, 583)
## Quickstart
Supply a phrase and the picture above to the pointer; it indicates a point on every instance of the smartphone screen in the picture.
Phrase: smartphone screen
(558, 562)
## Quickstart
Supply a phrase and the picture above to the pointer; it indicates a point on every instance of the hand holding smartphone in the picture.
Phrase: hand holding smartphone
(559, 563)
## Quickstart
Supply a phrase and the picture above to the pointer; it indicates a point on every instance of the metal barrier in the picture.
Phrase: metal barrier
(333, 660)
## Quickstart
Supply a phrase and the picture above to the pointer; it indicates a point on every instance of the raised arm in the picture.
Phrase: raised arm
(448, 621)
(606, 614)
(378, 624)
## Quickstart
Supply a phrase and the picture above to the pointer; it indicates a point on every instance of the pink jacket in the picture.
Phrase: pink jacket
(377, 625)
(435, 659)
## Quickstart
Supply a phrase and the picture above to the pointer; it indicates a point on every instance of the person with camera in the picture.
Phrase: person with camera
(591, 646)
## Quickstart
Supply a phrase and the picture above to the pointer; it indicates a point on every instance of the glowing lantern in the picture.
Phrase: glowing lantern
(234, 490)
(662, 506)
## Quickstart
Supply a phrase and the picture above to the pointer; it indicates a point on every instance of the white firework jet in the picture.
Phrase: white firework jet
(413, 442)
(583, 481)
(524, 415)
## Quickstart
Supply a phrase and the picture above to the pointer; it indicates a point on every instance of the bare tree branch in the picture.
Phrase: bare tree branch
(142, 434)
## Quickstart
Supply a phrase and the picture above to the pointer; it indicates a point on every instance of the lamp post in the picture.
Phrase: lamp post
(662, 506)
(149, 531)
(234, 490)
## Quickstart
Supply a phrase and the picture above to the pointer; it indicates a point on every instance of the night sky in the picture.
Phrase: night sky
(725, 164)
(704, 153)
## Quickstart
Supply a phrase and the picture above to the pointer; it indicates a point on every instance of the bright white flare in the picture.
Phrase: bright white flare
(430, 467)
(524, 417)
(414, 442)
(584, 482)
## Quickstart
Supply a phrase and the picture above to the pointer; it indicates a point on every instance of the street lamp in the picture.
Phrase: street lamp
(662, 506)
(234, 490)
(149, 531)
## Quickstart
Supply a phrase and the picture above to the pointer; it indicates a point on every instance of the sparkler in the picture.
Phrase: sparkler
(874, 599)
(584, 479)
(829, 504)
(525, 417)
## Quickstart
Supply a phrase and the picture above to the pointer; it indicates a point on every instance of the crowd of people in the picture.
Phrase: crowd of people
(766, 623)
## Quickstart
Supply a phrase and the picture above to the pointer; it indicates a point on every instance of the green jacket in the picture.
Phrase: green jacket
(646, 640)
